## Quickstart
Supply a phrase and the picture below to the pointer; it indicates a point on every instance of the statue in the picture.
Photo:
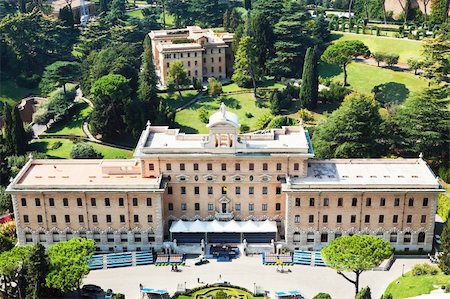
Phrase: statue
(223, 109)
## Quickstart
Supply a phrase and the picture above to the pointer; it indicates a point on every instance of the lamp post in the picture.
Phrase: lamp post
(403, 270)
(254, 288)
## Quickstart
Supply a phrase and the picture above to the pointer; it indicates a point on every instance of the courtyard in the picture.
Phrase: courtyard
(247, 272)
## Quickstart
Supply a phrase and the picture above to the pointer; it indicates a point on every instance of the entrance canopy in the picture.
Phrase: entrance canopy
(216, 226)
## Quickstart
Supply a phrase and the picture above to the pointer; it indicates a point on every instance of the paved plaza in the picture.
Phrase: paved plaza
(246, 272)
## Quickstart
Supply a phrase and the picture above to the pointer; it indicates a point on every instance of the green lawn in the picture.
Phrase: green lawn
(170, 20)
(411, 286)
(267, 83)
(11, 93)
(135, 14)
(362, 77)
(72, 124)
(174, 100)
(189, 122)
(404, 47)
(63, 152)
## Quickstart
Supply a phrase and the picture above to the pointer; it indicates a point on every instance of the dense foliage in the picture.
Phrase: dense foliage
(84, 151)
(309, 90)
(444, 257)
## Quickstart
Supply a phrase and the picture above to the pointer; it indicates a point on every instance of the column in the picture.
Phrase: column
(159, 221)
(288, 232)
(17, 215)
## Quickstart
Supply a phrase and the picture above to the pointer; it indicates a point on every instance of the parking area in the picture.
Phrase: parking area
(247, 272)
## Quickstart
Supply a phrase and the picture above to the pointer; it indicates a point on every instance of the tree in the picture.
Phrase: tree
(10, 147)
(20, 139)
(12, 271)
(234, 20)
(66, 16)
(177, 75)
(437, 55)
(322, 296)
(309, 89)
(59, 74)
(117, 11)
(264, 40)
(414, 64)
(68, 264)
(208, 13)
(342, 53)
(356, 254)
(404, 4)
(214, 87)
(422, 125)
(439, 11)
(391, 59)
(271, 9)
(5, 201)
(281, 120)
(84, 151)
(378, 57)
(38, 267)
(364, 294)
(111, 95)
(248, 4)
(444, 258)
(246, 71)
(354, 130)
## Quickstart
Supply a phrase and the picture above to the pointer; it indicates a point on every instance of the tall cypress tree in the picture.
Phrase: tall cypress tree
(310, 80)
(264, 39)
(7, 130)
(38, 267)
(19, 135)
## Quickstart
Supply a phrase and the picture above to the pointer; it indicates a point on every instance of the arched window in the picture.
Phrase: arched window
(296, 237)
(421, 237)
(407, 238)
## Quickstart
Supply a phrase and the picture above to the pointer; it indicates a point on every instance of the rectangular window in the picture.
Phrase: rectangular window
(264, 207)
(94, 219)
(411, 202)
(108, 219)
(79, 202)
(311, 218)
(151, 166)
(149, 202)
(81, 218)
(38, 202)
(169, 190)
(183, 206)
(39, 218)
(278, 166)
(382, 202)
(367, 219)
(189, 63)
(168, 166)
(297, 202)
(325, 218)
(196, 166)
(251, 207)
(251, 166)
(251, 190)
(122, 218)
(107, 202)
(210, 206)
(212, 59)
(237, 166)
(381, 219)
(339, 219)
(425, 202)
(170, 206)
(278, 190)
(93, 202)
(238, 190)
(182, 166)
(210, 190)
(423, 218)
(237, 207)
(264, 190)
(354, 201)
(296, 166)
(136, 218)
(368, 202)
(149, 218)
(352, 218)
(212, 69)
(409, 219)
(183, 190)
(397, 202)
(67, 218)
(297, 219)
(135, 202)
(311, 202)
(277, 206)
(51, 202)
(340, 202)
(53, 218)
(196, 190)
(209, 165)
(197, 206)
(395, 219)
(326, 202)
(265, 167)
(24, 202)
(65, 202)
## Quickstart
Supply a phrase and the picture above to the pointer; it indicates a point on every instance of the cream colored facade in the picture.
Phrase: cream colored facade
(266, 175)
(204, 53)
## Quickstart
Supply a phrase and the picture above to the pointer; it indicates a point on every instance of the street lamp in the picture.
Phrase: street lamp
(403, 270)
(254, 288)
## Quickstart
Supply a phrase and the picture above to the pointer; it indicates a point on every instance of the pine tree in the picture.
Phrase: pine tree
(364, 294)
(310, 80)
(37, 267)
(264, 40)
(226, 20)
(246, 71)
(66, 16)
(234, 20)
(148, 79)
(8, 130)
(18, 133)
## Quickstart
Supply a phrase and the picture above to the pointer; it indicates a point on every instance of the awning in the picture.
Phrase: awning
(154, 291)
(231, 226)
(288, 293)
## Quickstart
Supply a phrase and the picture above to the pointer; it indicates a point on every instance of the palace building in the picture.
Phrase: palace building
(203, 52)
(225, 187)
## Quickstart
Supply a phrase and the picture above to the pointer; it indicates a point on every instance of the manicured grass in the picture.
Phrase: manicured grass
(406, 48)
(411, 286)
(170, 20)
(72, 124)
(11, 93)
(189, 121)
(362, 77)
(174, 100)
(212, 292)
(135, 14)
(267, 83)
(63, 152)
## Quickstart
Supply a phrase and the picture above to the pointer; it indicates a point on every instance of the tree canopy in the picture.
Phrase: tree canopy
(357, 253)
(246, 71)
(58, 74)
(177, 76)
(309, 89)
(84, 151)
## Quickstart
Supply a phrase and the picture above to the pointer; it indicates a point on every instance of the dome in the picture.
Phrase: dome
(223, 117)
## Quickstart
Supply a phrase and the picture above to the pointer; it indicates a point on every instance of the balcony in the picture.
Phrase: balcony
(224, 216)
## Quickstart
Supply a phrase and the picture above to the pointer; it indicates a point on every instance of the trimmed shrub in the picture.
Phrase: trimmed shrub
(244, 128)
(56, 145)
(248, 115)
(322, 296)
(364, 293)
(263, 120)
(84, 151)
(279, 121)
(391, 59)
(214, 87)
(305, 114)
(335, 93)
(424, 269)
(203, 115)
(379, 57)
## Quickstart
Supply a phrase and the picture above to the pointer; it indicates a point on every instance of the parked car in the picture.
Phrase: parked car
(438, 239)
(200, 260)
(89, 289)
(109, 294)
